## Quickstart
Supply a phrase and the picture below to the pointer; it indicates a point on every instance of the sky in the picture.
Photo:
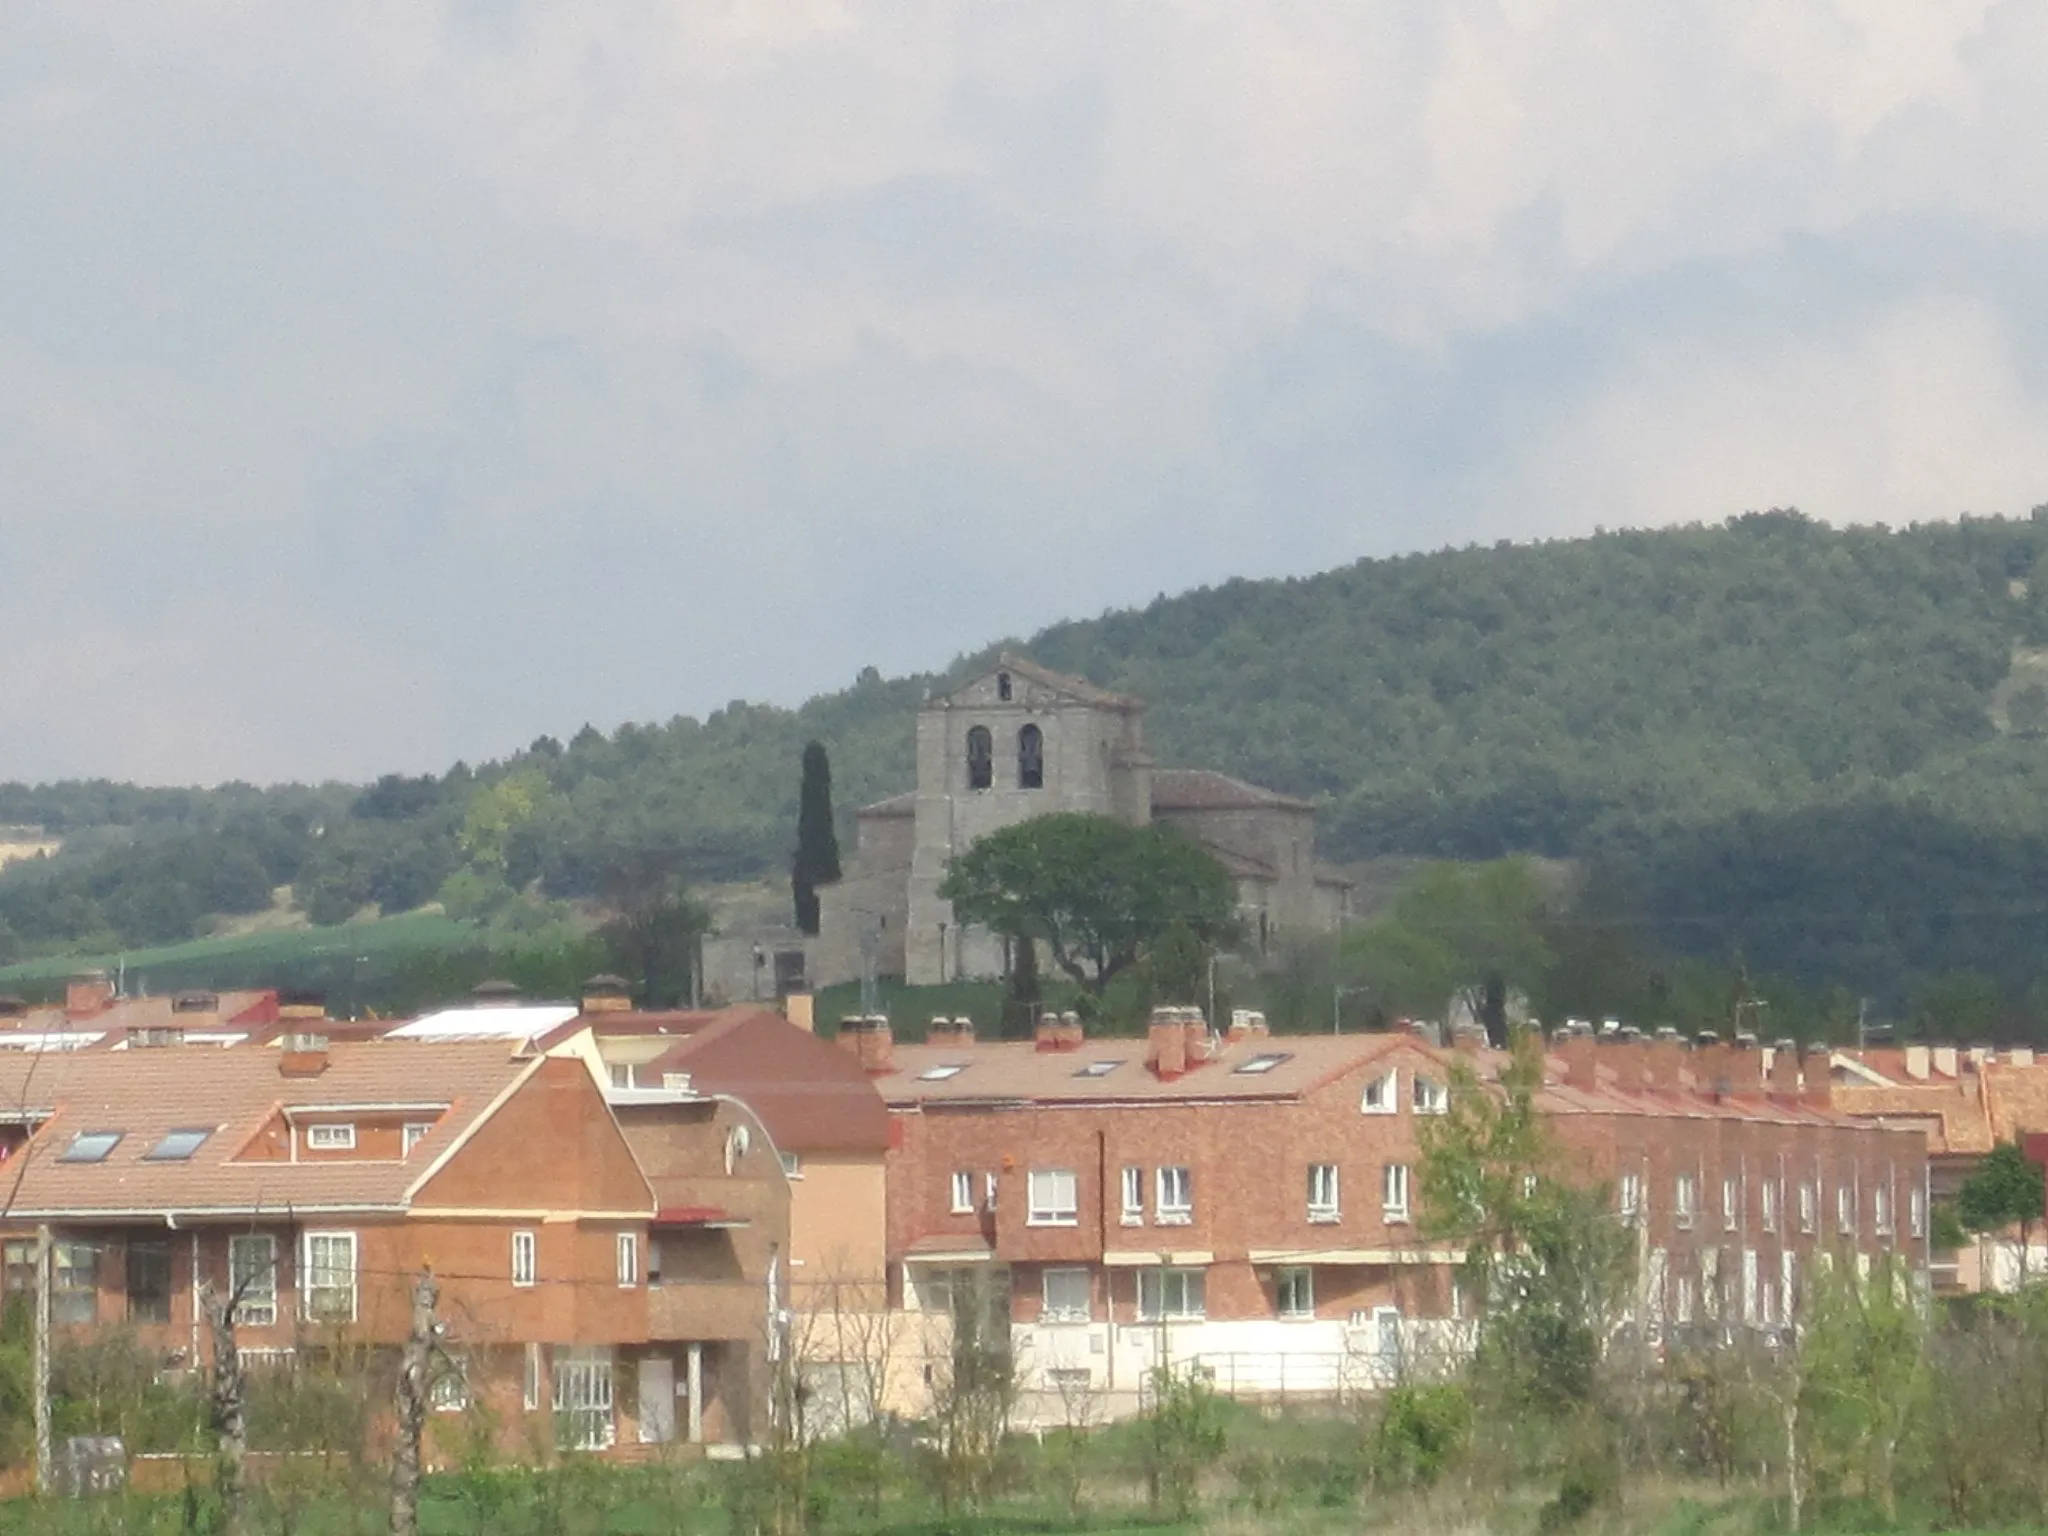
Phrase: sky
(388, 383)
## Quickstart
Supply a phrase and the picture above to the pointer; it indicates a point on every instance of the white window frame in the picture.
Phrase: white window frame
(1055, 1198)
(327, 1136)
(1068, 1309)
(1881, 1201)
(1630, 1197)
(963, 1193)
(988, 1191)
(1431, 1097)
(1846, 1214)
(1731, 1202)
(1325, 1193)
(1294, 1293)
(1770, 1203)
(1382, 1094)
(252, 1272)
(585, 1411)
(448, 1383)
(416, 1131)
(1685, 1200)
(316, 1277)
(1809, 1205)
(792, 1165)
(529, 1382)
(1395, 1189)
(1175, 1295)
(628, 1247)
(1131, 1191)
(1685, 1303)
(525, 1258)
(1916, 1210)
(1174, 1197)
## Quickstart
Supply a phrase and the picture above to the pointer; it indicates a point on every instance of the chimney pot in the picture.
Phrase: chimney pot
(1166, 1048)
(1817, 1083)
(606, 993)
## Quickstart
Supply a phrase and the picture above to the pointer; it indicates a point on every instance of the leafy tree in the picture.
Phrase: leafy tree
(1100, 892)
(2004, 1190)
(817, 844)
(653, 924)
(1469, 932)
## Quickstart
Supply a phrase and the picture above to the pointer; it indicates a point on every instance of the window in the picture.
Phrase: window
(1845, 1207)
(1686, 1302)
(963, 1193)
(1431, 1097)
(1731, 1203)
(583, 1399)
(1133, 1196)
(792, 1165)
(1098, 1068)
(1809, 1199)
(1916, 1211)
(20, 1267)
(252, 1276)
(75, 1283)
(1685, 1199)
(330, 1277)
(1295, 1292)
(622, 1074)
(1382, 1095)
(176, 1146)
(1003, 686)
(1394, 1191)
(149, 1281)
(1265, 1061)
(629, 1258)
(1322, 1192)
(939, 1074)
(1066, 1296)
(980, 758)
(1176, 1207)
(1770, 1205)
(1881, 1209)
(1030, 758)
(1170, 1294)
(525, 1258)
(1631, 1198)
(330, 1138)
(988, 1191)
(529, 1379)
(1054, 1202)
(415, 1133)
(447, 1383)
(90, 1147)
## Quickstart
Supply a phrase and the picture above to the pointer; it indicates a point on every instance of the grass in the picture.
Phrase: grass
(380, 937)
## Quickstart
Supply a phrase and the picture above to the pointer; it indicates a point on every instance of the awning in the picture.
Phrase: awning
(1357, 1256)
(948, 1250)
(703, 1216)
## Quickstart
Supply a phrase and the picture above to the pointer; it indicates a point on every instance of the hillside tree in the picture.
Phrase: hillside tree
(817, 844)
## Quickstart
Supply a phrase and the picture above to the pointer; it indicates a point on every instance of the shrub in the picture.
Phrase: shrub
(1422, 1431)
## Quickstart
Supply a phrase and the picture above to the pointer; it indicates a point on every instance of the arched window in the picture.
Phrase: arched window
(1030, 758)
(981, 758)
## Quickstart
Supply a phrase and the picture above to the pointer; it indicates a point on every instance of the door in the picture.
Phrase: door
(657, 1400)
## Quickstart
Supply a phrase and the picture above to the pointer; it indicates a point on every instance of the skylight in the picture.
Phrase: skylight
(176, 1146)
(940, 1074)
(90, 1147)
(1099, 1068)
(1265, 1062)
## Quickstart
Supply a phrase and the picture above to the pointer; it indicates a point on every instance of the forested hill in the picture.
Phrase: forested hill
(1768, 731)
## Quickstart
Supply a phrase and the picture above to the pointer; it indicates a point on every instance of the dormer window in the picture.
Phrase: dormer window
(981, 759)
(331, 1138)
(1030, 758)
(1382, 1095)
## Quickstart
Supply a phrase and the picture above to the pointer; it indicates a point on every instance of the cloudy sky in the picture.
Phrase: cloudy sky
(387, 382)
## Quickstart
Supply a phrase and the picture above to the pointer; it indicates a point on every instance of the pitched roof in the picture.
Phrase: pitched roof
(238, 1013)
(1951, 1112)
(1074, 687)
(232, 1095)
(904, 804)
(1203, 789)
(810, 1094)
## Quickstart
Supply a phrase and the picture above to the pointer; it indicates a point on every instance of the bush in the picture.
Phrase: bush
(1422, 1432)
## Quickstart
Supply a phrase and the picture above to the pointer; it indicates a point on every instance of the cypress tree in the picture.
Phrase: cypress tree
(817, 845)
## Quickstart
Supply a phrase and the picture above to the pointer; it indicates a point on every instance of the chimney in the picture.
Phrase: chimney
(1979, 1055)
(302, 1052)
(1667, 1060)
(950, 1032)
(494, 994)
(1784, 1069)
(1745, 1065)
(1945, 1060)
(851, 1028)
(1817, 1087)
(1071, 1033)
(1917, 1063)
(1710, 1068)
(1627, 1054)
(2021, 1055)
(1468, 1036)
(607, 994)
(196, 1002)
(799, 1009)
(1049, 1033)
(88, 994)
(1167, 1044)
(877, 1045)
(1196, 1028)
(1581, 1055)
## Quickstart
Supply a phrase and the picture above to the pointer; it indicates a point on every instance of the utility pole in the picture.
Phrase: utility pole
(41, 1366)
(412, 1408)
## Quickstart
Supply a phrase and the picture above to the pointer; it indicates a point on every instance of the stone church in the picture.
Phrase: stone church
(1019, 741)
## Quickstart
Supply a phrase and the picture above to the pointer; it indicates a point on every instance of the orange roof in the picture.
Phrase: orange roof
(1951, 1111)
(232, 1095)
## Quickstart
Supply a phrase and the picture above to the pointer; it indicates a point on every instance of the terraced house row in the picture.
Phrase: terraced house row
(638, 1218)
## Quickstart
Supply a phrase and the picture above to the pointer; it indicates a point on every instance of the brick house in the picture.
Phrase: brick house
(320, 1177)
(1249, 1203)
